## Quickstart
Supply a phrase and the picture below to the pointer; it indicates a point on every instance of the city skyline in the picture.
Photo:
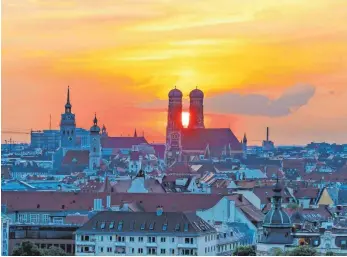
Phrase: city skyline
(259, 65)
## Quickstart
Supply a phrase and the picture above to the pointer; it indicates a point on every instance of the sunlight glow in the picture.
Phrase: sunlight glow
(185, 119)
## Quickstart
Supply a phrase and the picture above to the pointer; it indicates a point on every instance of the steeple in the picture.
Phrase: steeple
(135, 133)
(207, 154)
(245, 139)
(68, 104)
(95, 120)
(95, 127)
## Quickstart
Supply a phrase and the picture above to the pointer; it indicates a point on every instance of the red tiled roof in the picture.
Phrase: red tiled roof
(49, 201)
(159, 150)
(325, 176)
(179, 168)
(76, 157)
(265, 194)
(198, 139)
(247, 208)
(122, 142)
(135, 156)
(76, 219)
(152, 185)
(273, 170)
(307, 193)
(55, 201)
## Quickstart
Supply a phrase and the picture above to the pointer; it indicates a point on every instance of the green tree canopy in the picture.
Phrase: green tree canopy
(330, 253)
(302, 251)
(26, 248)
(244, 251)
(53, 251)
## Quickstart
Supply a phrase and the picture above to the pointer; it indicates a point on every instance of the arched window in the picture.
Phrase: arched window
(68, 133)
(63, 132)
(71, 132)
(94, 149)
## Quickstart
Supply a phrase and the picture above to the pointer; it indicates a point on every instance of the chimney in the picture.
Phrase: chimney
(159, 210)
(267, 134)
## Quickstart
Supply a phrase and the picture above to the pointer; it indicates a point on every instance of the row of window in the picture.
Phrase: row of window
(210, 237)
(35, 218)
(150, 251)
(210, 249)
(150, 239)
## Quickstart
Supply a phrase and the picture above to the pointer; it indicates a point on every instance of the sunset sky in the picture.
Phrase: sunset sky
(281, 64)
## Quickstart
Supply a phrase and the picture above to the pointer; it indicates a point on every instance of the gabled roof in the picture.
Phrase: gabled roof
(122, 142)
(250, 211)
(76, 157)
(148, 222)
(216, 138)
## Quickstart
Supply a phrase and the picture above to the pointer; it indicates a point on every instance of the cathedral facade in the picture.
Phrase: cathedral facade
(196, 142)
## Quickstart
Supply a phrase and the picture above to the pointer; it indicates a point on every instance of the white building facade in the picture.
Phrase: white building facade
(136, 233)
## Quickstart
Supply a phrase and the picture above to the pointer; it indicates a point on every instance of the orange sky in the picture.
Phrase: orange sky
(260, 63)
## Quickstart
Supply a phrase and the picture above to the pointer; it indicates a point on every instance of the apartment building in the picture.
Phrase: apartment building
(150, 233)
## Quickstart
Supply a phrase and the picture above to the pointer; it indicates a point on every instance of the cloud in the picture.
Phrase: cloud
(252, 104)
(260, 105)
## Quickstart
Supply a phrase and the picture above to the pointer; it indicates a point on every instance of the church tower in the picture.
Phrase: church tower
(196, 109)
(244, 146)
(68, 126)
(95, 146)
(174, 126)
(277, 226)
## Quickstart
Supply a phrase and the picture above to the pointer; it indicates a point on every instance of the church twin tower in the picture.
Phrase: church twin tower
(174, 120)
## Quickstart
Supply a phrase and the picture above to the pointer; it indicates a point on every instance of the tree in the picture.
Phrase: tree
(245, 251)
(26, 248)
(302, 251)
(277, 252)
(53, 251)
(329, 253)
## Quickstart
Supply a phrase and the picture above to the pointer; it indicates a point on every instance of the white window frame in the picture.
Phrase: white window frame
(34, 218)
(22, 218)
(46, 218)
(58, 220)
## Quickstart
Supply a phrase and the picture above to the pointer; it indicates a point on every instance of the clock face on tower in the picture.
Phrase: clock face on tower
(174, 136)
(70, 138)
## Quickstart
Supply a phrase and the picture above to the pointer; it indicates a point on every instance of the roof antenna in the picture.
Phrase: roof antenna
(50, 122)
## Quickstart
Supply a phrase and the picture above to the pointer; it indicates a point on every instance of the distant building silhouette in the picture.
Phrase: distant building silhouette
(196, 142)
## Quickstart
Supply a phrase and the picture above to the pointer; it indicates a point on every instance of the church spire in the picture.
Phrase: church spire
(95, 120)
(68, 104)
(135, 133)
(245, 139)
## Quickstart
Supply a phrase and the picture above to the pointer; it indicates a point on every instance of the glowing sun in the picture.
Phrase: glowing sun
(185, 119)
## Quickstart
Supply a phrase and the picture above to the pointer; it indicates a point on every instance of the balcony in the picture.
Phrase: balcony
(187, 246)
(119, 244)
(148, 244)
(89, 253)
(90, 242)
